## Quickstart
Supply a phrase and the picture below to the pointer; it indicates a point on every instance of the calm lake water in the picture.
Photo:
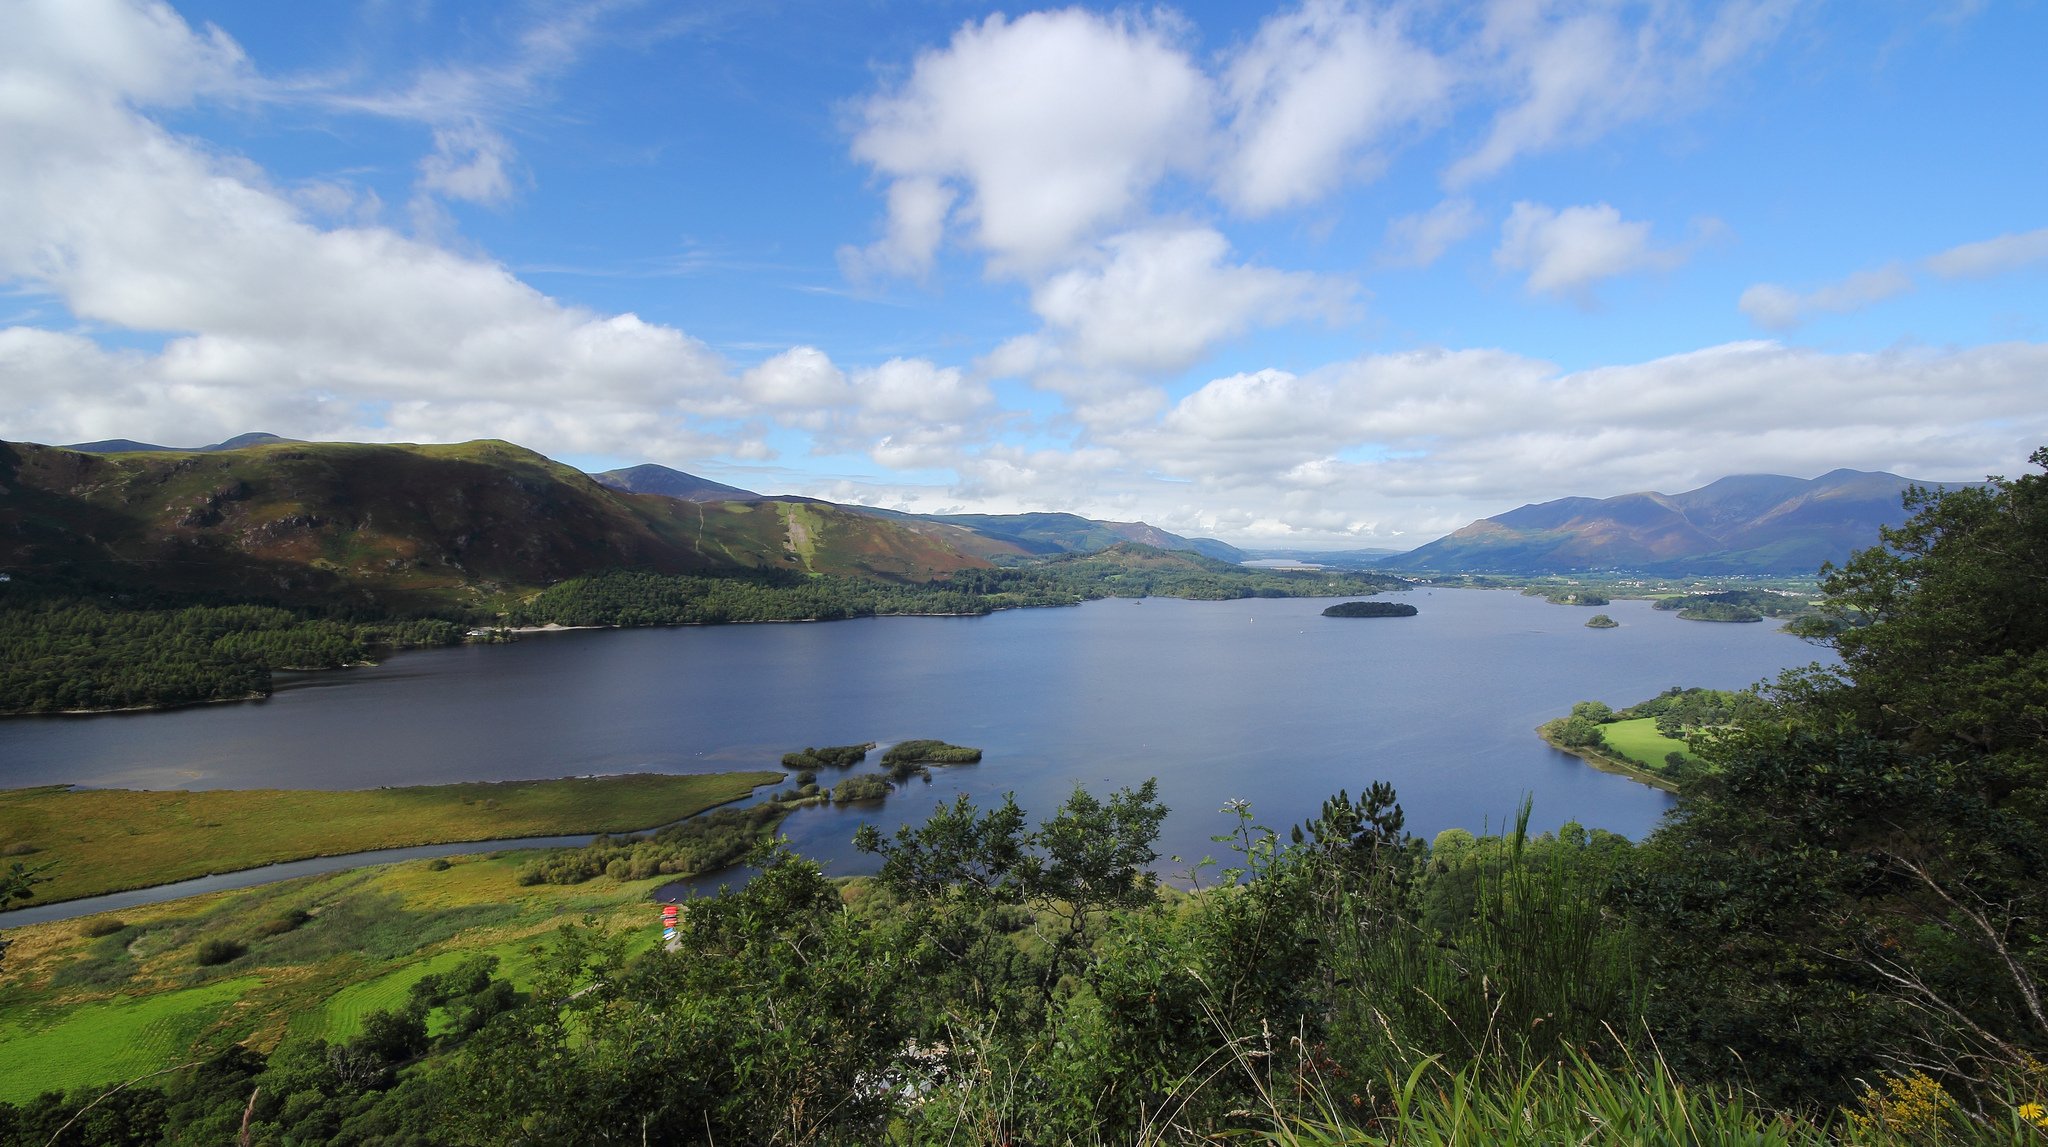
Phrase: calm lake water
(1263, 700)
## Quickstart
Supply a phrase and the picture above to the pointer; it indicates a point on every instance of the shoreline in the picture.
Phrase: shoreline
(1612, 764)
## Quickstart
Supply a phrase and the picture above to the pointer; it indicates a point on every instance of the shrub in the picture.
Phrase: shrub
(218, 951)
(102, 926)
(868, 787)
(289, 922)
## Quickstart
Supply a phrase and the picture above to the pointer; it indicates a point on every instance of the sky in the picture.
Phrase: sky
(1315, 275)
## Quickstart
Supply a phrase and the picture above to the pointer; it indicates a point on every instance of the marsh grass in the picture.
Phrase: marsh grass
(78, 1010)
(108, 840)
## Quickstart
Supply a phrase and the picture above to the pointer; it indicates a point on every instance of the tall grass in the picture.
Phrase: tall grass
(1529, 970)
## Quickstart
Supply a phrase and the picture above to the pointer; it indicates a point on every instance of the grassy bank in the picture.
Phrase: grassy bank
(107, 840)
(1638, 739)
(79, 1008)
(1609, 759)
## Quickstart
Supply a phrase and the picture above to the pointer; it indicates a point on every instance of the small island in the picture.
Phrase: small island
(1370, 609)
(913, 758)
(1602, 621)
(831, 756)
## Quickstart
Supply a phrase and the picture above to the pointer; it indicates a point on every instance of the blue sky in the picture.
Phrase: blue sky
(1315, 274)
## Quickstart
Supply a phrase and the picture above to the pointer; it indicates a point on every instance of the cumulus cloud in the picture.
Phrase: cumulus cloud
(1053, 125)
(1565, 252)
(916, 226)
(1312, 94)
(1779, 308)
(1989, 257)
(1420, 240)
(1157, 300)
(1396, 448)
(261, 315)
(798, 377)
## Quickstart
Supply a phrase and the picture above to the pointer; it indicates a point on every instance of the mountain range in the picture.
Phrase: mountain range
(1035, 533)
(473, 522)
(260, 514)
(1765, 524)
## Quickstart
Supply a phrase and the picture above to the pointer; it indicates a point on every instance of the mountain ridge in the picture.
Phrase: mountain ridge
(1766, 524)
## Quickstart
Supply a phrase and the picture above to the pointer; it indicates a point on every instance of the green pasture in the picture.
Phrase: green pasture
(1639, 740)
(51, 1049)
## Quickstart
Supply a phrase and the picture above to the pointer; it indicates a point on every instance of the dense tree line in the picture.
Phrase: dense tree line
(60, 654)
(1735, 605)
(64, 651)
(630, 597)
(1836, 936)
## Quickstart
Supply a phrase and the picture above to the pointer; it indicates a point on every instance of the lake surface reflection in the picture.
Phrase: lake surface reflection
(1258, 699)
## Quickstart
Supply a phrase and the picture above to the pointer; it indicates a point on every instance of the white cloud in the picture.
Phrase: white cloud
(1420, 240)
(1989, 257)
(1157, 300)
(1779, 308)
(1423, 442)
(921, 391)
(917, 224)
(1578, 72)
(267, 317)
(1056, 124)
(798, 377)
(470, 163)
(1566, 252)
(1313, 93)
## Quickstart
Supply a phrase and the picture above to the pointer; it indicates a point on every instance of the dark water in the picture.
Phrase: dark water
(1262, 700)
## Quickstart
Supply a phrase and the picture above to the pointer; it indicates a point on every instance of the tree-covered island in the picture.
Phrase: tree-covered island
(1370, 609)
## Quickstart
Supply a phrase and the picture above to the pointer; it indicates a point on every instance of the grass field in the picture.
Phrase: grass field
(51, 1050)
(1639, 740)
(79, 1010)
(106, 840)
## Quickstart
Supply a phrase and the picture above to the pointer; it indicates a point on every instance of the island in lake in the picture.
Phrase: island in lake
(1370, 609)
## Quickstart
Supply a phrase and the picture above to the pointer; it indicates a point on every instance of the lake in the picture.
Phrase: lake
(1258, 699)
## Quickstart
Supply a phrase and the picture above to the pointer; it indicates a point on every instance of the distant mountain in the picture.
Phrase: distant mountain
(1747, 524)
(130, 446)
(1331, 559)
(653, 479)
(1000, 534)
(1055, 533)
(468, 522)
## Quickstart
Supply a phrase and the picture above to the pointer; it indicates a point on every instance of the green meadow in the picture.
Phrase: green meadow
(1639, 741)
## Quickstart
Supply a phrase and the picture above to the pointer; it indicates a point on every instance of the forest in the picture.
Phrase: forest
(60, 653)
(1835, 937)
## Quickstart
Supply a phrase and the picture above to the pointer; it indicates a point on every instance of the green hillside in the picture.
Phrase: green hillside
(469, 524)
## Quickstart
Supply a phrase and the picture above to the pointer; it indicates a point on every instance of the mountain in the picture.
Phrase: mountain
(1055, 533)
(130, 446)
(395, 524)
(1001, 535)
(1746, 524)
(653, 479)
